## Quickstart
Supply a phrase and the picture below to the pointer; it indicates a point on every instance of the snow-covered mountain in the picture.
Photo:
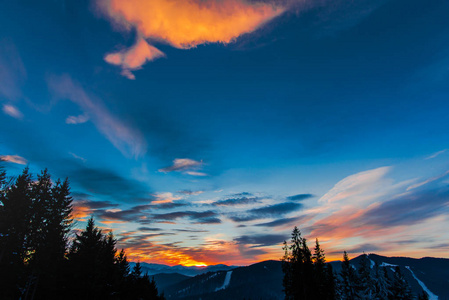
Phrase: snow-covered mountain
(264, 280)
(153, 269)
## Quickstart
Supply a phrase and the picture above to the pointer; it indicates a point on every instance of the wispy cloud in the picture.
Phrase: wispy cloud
(12, 111)
(124, 137)
(182, 24)
(300, 197)
(16, 159)
(436, 154)
(185, 165)
(77, 119)
(12, 71)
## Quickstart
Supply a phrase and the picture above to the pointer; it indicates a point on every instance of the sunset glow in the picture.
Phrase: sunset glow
(201, 132)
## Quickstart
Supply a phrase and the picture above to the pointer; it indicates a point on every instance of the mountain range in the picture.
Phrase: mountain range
(263, 280)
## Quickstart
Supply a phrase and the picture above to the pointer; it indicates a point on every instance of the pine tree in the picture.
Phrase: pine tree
(365, 286)
(306, 276)
(382, 284)
(423, 296)
(15, 221)
(348, 279)
(400, 288)
(86, 260)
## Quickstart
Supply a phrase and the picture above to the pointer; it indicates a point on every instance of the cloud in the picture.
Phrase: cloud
(287, 222)
(436, 154)
(427, 181)
(182, 24)
(77, 119)
(190, 192)
(16, 159)
(261, 240)
(133, 58)
(299, 197)
(357, 189)
(12, 111)
(164, 198)
(125, 138)
(269, 211)
(237, 201)
(186, 166)
(106, 182)
(193, 215)
(98, 204)
(149, 229)
(12, 71)
(408, 209)
(78, 157)
(208, 221)
(276, 209)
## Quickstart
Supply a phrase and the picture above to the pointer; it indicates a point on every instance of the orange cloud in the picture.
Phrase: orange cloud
(183, 24)
(134, 58)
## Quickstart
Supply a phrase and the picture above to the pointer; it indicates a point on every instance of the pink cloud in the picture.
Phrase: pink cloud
(12, 111)
(16, 159)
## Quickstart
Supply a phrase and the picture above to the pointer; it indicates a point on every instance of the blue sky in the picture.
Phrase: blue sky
(190, 137)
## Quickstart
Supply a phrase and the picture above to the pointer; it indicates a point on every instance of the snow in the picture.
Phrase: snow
(372, 263)
(226, 281)
(265, 267)
(432, 296)
(384, 264)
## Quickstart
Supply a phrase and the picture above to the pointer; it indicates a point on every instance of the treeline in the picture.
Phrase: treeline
(308, 276)
(38, 260)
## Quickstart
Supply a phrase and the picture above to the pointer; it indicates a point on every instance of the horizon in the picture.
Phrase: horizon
(202, 133)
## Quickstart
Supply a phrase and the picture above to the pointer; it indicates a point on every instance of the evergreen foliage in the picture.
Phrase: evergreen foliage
(36, 261)
(306, 276)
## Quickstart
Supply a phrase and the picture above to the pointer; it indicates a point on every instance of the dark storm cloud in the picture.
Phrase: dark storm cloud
(299, 197)
(260, 240)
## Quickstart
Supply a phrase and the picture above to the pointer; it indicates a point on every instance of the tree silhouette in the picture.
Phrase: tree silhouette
(15, 220)
(306, 276)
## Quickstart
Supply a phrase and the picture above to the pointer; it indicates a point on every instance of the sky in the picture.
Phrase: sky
(202, 131)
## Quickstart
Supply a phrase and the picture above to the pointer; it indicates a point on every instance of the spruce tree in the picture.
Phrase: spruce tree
(348, 279)
(400, 288)
(382, 284)
(15, 225)
(365, 286)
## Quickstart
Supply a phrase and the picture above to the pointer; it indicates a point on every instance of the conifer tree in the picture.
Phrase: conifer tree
(365, 283)
(324, 281)
(15, 221)
(400, 288)
(382, 285)
(348, 279)
(423, 296)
